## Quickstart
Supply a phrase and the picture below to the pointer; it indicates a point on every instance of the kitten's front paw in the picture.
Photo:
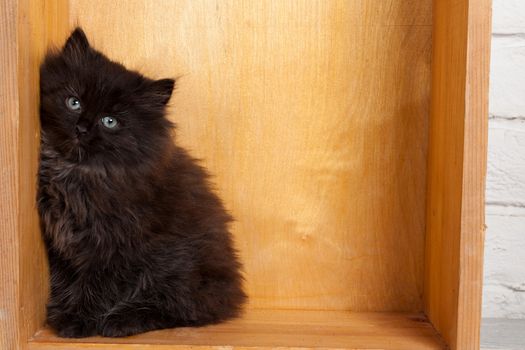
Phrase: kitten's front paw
(76, 329)
(116, 326)
(128, 320)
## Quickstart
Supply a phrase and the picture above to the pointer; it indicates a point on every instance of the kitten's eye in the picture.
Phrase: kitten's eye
(109, 122)
(73, 103)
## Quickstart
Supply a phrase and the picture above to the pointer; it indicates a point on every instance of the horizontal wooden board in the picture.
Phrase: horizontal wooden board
(274, 328)
(312, 115)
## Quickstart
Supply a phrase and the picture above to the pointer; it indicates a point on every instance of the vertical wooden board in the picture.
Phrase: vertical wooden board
(474, 175)
(27, 27)
(40, 24)
(9, 302)
(312, 115)
(445, 164)
(457, 165)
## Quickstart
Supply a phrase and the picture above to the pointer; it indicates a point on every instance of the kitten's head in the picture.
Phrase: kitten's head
(93, 109)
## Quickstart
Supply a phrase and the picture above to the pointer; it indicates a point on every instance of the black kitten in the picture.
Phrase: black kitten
(136, 239)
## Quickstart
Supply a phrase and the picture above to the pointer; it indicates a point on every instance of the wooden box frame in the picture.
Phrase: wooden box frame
(454, 223)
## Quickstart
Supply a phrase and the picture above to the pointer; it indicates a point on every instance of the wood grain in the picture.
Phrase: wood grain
(275, 329)
(457, 166)
(28, 26)
(312, 115)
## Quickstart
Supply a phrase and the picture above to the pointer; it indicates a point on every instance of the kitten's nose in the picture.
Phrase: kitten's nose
(81, 129)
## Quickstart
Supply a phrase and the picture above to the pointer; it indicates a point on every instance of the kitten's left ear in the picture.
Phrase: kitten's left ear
(161, 90)
(77, 42)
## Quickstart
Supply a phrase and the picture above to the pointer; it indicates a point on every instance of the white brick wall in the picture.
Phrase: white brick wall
(504, 285)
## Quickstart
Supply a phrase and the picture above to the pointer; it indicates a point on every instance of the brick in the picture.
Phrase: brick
(504, 288)
(507, 78)
(508, 16)
(506, 162)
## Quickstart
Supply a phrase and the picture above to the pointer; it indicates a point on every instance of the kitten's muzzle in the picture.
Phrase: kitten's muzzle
(81, 130)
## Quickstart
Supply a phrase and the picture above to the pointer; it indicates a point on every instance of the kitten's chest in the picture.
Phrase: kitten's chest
(61, 189)
(73, 194)
(83, 218)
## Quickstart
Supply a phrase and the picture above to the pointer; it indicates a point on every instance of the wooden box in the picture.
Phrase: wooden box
(348, 138)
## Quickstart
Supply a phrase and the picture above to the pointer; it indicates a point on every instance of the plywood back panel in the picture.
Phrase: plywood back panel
(312, 115)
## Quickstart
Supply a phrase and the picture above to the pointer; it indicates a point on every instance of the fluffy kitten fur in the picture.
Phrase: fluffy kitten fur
(136, 239)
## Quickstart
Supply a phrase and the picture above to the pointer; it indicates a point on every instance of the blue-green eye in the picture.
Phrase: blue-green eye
(109, 122)
(73, 103)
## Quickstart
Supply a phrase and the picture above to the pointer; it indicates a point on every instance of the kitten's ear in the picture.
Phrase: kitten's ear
(77, 42)
(161, 90)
